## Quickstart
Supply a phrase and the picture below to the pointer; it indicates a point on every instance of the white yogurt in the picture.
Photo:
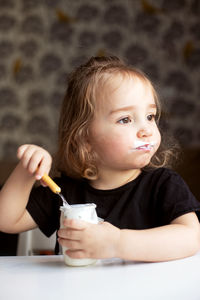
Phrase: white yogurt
(141, 144)
(85, 212)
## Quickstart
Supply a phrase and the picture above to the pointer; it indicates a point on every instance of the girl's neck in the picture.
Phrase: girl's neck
(108, 180)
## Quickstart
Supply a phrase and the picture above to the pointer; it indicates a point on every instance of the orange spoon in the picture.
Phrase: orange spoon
(54, 187)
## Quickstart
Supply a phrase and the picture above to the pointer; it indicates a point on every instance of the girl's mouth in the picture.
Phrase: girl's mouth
(143, 146)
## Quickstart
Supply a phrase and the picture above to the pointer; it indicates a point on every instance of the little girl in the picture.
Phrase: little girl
(110, 154)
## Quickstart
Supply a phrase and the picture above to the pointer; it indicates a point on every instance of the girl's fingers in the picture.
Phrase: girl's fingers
(44, 166)
(26, 157)
(69, 234)
(75, 224)
(42, 183)
(72, 245)
(35, 159)
(21, 151)
(39, 164)
(34, 162)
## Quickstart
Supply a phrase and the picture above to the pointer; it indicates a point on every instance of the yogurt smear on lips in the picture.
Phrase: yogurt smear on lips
(146, 146)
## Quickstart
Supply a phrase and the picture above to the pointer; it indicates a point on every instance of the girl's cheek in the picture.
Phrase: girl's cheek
(158, 140)
(159, 137)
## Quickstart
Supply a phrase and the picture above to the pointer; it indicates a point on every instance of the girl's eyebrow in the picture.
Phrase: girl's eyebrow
(125, 108)
(128, 108)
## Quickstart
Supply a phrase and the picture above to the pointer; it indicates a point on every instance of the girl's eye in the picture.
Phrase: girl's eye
(151, 117)
(125, 120)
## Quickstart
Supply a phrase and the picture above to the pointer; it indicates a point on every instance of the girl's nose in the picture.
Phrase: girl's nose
(144, 132)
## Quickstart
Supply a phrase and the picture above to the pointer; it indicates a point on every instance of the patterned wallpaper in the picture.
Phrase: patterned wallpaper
(41, 41)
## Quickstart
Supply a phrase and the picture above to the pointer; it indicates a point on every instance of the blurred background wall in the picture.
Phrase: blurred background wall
(41, 41)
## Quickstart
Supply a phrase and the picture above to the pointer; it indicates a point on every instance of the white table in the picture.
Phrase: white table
(47, 277)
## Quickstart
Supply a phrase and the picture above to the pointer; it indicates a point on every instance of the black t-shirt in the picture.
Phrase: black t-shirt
(153, 199)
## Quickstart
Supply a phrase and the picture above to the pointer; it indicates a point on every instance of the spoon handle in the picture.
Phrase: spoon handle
(51, 184)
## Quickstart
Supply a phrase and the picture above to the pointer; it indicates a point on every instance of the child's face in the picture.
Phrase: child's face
(124, 133)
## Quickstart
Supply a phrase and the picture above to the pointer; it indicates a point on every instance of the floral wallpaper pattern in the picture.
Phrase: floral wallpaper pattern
(41, 41)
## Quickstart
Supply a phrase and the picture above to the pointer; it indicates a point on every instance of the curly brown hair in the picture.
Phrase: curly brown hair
(73, 157)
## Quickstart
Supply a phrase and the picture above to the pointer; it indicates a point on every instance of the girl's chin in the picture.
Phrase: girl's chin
(141, 163)
(138, 162)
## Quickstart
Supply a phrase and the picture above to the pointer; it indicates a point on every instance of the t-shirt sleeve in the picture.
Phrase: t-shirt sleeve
(43, 206)
(176, 198)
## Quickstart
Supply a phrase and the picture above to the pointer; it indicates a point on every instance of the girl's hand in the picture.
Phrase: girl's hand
(86, 240)
(35, 160)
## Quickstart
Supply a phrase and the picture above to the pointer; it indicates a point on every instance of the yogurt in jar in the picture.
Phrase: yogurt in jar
(85, 212)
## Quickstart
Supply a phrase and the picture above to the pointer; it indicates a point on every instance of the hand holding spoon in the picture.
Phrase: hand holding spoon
(55, 188)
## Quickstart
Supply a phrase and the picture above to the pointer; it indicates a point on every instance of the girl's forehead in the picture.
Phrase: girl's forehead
(121, 83)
